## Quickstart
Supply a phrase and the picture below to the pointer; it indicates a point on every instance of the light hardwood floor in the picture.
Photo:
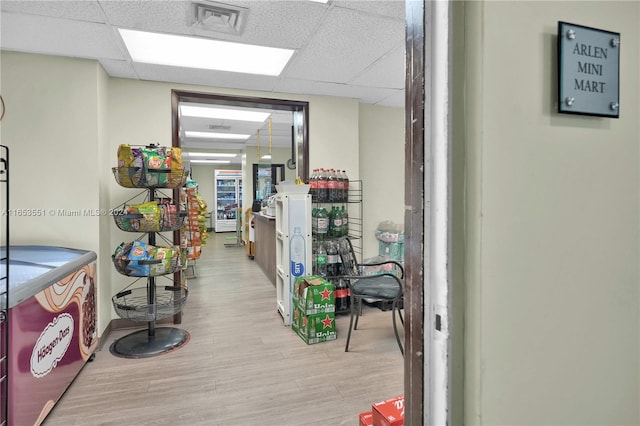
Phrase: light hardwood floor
(242, 366)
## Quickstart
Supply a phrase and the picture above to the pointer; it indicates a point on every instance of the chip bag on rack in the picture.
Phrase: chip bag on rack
(139, 251)
(128, 160)
(150, 212)
(165, 255)
(177, 168)
(155, 159)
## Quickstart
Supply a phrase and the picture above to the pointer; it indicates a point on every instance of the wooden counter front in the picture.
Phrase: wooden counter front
(265, 245)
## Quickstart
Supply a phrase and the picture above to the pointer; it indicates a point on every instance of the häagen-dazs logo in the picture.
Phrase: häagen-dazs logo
(51, 345)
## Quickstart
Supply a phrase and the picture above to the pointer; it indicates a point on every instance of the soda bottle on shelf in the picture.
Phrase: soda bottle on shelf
(345, 185)
(332, 258)
(313, 185)
(321, 260)
(339, 186)
(335, 222)
(314, 221)
(332, 186)
(322, 222)
(322, 186)
(331, 224)
(345, 221)
(341, 293)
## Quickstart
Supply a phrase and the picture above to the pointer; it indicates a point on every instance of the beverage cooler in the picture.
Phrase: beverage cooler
(293, 243)
(228, 199)
(52, 325)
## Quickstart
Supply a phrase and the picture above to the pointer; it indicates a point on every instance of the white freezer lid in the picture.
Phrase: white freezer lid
(34, 268)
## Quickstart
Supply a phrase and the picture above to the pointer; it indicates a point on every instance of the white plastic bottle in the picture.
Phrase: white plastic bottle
(297, 253)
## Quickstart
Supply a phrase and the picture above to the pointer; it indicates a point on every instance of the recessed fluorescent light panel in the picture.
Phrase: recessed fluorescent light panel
(223, 114)
(211, 135)
(210, 161)
(211, 154)
(203, 53)
(266, 157)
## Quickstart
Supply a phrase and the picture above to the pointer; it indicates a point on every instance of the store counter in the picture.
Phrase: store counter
(265, 244)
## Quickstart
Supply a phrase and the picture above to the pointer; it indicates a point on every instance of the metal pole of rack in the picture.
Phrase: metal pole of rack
(238, 242)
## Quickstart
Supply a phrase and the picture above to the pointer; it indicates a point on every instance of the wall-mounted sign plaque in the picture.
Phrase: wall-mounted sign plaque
(588, 71)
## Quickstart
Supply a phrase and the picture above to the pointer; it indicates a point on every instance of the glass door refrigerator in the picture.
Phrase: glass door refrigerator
(228, 200)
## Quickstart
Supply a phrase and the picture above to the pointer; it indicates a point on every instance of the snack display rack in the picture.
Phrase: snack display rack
(194, 229)
(151, 302)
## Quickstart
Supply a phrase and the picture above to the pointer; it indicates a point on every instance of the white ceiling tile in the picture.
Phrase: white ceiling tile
(55, 36)
(286, 24)
(79, 10)
(159, 16)
(388, 71)
(390, 8)
(343, 46)
(395, 100)
(119, 69)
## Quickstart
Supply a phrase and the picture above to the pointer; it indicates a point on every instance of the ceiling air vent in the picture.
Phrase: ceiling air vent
(218, 17)
(219, 127)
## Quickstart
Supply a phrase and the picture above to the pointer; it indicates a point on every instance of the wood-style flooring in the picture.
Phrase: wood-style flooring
(242, 366)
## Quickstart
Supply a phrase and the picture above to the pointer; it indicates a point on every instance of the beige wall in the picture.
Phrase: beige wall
(54, 127)
(552, 326)
(381, 170)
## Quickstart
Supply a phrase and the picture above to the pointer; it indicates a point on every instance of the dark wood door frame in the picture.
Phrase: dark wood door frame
(414, 214)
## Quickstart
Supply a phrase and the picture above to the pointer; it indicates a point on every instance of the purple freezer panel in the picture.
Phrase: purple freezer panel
(52, 334)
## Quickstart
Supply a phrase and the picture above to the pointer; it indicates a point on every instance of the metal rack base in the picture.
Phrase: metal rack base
(140, 345)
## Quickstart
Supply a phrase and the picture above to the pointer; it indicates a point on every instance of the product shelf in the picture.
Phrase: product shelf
(140, 177)
(133, 304)
(139, 222)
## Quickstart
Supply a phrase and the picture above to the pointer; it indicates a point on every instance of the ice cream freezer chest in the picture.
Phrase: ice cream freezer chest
(52, 326)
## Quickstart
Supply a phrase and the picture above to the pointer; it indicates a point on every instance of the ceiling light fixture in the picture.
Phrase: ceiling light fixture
(211, 154)
(266, 157)
(210, 161)
(211, 135)
(223, 114)
(203, 53)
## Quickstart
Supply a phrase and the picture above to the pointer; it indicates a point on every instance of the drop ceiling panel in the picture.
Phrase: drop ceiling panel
(342, 47)
(55, 36)
(370, 95)
(393, 9)
(395, 100)
(158, 16)
(286, 24)
(388, 71)
(119, 68)
(89, 11)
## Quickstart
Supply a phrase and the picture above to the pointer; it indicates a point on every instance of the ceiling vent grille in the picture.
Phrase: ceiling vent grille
(218, 17)
(219, 127)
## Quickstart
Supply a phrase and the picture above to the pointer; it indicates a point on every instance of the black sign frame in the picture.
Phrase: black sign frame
(566, 102)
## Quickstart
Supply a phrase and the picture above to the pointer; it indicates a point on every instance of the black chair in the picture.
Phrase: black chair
(387, 288)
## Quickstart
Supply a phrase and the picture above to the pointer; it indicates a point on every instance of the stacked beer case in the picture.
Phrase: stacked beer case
(314, 309)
